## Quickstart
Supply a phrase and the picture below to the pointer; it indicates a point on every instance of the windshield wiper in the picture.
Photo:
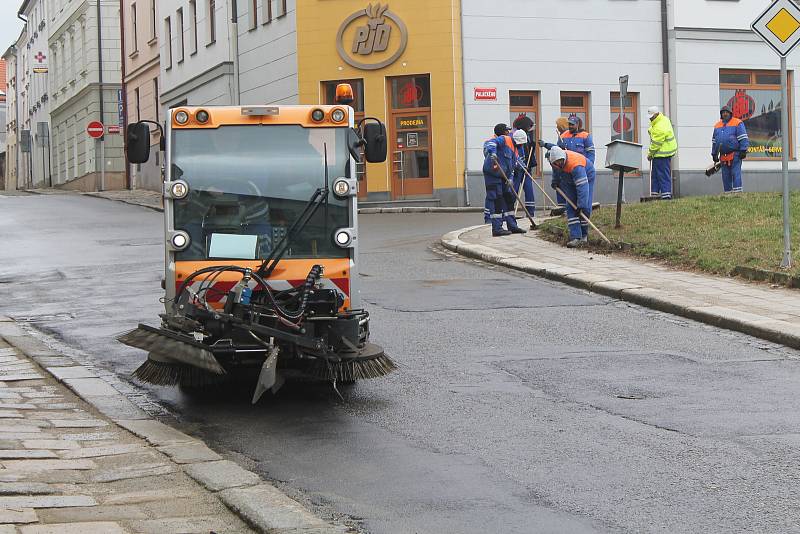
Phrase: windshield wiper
(318, 198)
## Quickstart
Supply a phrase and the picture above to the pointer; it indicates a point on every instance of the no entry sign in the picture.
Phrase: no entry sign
(95, 129)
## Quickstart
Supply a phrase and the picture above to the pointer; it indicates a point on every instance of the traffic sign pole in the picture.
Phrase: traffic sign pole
(787, 233)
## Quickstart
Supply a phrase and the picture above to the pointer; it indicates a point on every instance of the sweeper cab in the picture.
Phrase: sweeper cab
(261, 246)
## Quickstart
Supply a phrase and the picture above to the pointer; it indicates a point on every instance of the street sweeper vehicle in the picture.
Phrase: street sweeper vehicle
(261, 246)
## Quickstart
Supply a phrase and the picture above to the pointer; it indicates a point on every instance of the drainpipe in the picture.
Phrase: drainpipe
(102, 139)
(667, 86)
(21, 17)
(464, 105)
(128, 184)
(234, 31)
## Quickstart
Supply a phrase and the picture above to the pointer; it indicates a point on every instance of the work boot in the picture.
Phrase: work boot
(500, 233)
(585, 239)
(558, 211)
(595, 205)
(575, 243)
(518, 230)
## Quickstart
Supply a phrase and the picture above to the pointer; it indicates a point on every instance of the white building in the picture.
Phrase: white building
(34, 94)
(199, 63)
(12, 113)
(85, 62)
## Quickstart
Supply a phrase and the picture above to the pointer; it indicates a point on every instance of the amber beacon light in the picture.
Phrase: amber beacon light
(344, 94)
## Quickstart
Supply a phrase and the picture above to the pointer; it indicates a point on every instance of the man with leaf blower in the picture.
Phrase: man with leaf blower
(500, 154)
(571, 173)
(729, 145)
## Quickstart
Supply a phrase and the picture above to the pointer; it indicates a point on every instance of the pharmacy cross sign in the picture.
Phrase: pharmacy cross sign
(40, 57)
(779, 26)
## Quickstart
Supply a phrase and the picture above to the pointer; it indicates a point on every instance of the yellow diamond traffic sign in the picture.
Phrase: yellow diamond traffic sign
(783, 25)
(779, 26)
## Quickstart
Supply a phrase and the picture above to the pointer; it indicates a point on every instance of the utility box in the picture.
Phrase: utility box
(623, 156)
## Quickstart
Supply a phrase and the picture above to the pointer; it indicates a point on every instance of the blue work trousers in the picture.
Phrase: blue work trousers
(578, 228)
(527, 188)
(732, 175)
(496, 206)
(661, 178)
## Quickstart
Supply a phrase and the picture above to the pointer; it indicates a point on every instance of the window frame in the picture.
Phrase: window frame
(283, 9)
(153, 22)
(181, 28)
(632, 109)
(253, 15)
(168, 44)
(211, 21)
(267, 8)
(536, 108)
(755, 86)
(586, 109)
(134, 31)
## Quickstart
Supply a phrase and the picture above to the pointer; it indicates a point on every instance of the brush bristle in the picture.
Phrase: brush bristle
(171, 349)
(173, 374)
(351, 370)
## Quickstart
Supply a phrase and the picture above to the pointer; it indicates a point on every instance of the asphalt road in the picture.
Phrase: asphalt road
(521, 405)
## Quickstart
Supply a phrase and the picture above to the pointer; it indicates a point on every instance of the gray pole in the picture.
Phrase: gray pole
(787, 236)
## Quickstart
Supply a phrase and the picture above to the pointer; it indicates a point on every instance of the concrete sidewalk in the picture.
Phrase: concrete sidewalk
(756, 309)
(88, 461)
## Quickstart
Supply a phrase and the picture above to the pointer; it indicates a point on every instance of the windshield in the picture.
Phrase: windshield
(255, 181)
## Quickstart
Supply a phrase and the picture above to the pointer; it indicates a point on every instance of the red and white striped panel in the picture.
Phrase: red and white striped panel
(218, 291)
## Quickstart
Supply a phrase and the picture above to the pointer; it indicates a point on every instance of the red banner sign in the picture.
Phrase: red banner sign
(485, 93)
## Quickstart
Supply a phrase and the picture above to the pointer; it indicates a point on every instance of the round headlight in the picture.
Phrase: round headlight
(201, 116)
(180, 189)
(341, 188)
(180, 240)
(181, 117)
(338, 115)
(317, 115)
(343, 238)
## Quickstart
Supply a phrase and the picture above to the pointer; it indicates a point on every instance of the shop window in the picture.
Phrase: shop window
(629, 130)
(329, 91)
(410, 92)
(755, 98)
(576, 105)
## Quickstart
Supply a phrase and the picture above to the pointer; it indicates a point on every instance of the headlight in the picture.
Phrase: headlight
(341, 188)
(179, 189)
(344, 237)
(338, 115)
(201, 116)
(317, 115)
(181, 117)
(180, 240)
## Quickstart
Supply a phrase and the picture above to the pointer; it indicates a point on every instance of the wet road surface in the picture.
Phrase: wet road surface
(521, 405)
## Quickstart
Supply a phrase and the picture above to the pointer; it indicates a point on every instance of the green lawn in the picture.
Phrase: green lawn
(713, 233)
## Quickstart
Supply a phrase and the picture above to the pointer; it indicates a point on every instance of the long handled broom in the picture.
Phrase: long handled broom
(510, 184)
(585, 218)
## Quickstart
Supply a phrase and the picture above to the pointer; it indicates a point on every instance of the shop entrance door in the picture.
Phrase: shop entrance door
(410, 137)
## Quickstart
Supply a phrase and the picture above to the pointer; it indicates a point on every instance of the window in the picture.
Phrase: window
(134, 31)
(282, 10)
(411, 92)
(153, 33)
(156, 99)
(180, 30)
(576, 105)
(630, 129)
(267, 10)
(193, 26)
(755, 98)
(168, 44)
(136, 102)
(253, 17)
(212, 22)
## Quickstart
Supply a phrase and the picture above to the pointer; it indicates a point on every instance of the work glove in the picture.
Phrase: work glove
(715, 157)
(581, 214)
(649, 157)
(555, 184)
(743, 154)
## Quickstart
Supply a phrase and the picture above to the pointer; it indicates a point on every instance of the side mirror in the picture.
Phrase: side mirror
(138, 142)
(375, 140)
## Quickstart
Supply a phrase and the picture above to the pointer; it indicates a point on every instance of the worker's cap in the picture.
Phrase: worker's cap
(523, 122)
(724, 109)
(652, 111)
(573, 120)
(556, 153)
(501, 129)
(520, 137)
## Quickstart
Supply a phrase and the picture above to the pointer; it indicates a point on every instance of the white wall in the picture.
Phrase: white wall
(720, 14)
(559, 45)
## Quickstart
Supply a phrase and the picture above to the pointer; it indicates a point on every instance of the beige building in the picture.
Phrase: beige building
(141, 76)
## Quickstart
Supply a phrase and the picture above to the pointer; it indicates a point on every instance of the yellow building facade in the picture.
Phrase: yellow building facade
(404, 61)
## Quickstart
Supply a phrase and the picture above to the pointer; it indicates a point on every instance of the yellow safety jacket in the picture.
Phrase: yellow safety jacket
(662, 138)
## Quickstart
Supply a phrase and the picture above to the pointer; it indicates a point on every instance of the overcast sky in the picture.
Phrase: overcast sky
(10, 25)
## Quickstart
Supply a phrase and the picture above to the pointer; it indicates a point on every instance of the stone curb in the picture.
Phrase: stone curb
(126, 201)
(773, 330)
(257, 503)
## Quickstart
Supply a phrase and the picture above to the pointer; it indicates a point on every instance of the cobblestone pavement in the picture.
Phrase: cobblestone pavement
(772, 313)
(101, 465)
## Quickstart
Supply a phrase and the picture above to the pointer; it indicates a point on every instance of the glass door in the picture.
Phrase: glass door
(410, 137)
